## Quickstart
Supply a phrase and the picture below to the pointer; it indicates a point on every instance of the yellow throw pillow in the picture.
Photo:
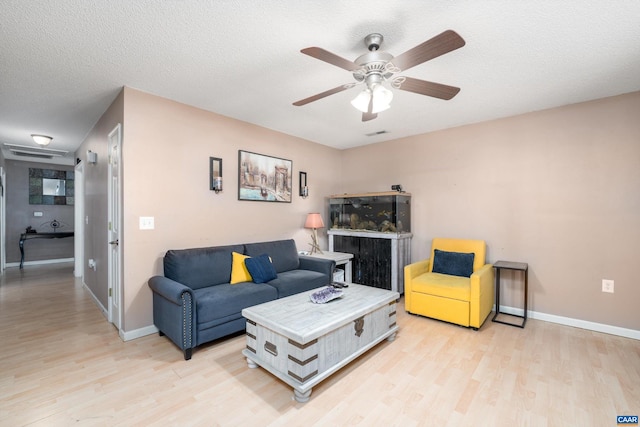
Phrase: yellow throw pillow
(239, 272)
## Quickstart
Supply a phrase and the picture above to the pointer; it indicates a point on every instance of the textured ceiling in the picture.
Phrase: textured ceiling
(63, 62)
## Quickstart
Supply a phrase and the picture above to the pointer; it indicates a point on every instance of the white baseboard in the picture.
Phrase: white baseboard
(138, 333)
(576, 323)
(40, 262)
(104, 311)
(124, 336)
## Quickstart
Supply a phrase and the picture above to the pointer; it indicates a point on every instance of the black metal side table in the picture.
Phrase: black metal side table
(509, 265)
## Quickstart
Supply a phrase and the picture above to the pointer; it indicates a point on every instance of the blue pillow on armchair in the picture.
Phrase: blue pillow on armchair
(453, 263)
(261, 268)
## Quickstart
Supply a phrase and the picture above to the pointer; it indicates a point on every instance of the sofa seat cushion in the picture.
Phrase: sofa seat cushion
(215, 304)
(443, 285)
(296, 281)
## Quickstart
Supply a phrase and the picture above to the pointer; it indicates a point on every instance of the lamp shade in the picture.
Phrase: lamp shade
(314, 220)
(361, 102)
(381, 99)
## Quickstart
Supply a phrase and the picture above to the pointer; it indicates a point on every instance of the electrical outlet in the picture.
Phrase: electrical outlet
(607, 285)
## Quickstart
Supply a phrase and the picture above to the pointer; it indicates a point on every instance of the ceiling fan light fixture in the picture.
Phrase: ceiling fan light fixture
(41, 140)
(381, 99)
(376, 67)
(361, 102)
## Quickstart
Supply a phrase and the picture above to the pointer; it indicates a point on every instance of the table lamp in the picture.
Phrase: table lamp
(314, 221)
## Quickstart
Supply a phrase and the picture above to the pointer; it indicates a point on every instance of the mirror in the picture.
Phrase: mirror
(53, 187)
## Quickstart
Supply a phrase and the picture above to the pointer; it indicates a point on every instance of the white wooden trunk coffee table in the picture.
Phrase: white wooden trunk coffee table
(302, 343)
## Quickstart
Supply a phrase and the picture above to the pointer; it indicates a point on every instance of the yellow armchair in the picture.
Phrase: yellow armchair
(466, 301)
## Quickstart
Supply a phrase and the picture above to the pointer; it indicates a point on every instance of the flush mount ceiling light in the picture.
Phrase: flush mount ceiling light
(41, 140)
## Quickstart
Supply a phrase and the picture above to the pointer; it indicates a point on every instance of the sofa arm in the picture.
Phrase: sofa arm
(482, 295)
(169, 289)
(321, 265)
(174, 312)
(414, 270)
(411, 271)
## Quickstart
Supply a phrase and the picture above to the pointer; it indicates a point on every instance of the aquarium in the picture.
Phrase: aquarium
(388, 212)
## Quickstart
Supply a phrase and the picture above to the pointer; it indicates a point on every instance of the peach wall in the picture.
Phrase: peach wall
(555, 188)
(166, 150)
(558, 189)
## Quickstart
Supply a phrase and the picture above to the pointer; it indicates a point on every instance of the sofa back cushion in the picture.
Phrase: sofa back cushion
(477, 247)
(283, 253)
(200, 267)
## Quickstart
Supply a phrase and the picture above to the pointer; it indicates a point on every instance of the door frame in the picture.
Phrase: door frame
(115, 288)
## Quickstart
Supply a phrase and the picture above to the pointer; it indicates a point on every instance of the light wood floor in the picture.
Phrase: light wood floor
(62, 364)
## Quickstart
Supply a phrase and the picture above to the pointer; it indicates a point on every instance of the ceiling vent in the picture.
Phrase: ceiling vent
(36, 153)
(33, 155)
(380, 132)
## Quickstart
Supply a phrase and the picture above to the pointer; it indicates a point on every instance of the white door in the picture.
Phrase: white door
(78, 222)
(114, 237)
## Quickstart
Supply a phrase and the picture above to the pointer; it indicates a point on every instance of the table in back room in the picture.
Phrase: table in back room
(28, 236)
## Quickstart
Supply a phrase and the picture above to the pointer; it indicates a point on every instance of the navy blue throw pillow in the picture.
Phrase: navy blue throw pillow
(260, 268)
(453, 263)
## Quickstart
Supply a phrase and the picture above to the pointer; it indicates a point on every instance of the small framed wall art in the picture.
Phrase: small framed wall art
(215, 174)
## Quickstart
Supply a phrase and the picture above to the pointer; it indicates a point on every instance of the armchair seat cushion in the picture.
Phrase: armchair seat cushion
(443, 285)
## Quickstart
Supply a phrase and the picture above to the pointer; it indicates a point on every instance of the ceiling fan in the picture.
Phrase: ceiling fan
(377, 67)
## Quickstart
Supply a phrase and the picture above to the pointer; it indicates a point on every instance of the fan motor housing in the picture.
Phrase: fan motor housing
(372, 58)
(373, 67)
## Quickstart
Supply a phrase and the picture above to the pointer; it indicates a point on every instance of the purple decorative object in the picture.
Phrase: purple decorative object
(325, 295)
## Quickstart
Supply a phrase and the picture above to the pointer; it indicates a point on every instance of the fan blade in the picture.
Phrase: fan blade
(331, 58)
(439, 45)
(321, 95)
(369, 115)
(422, 87)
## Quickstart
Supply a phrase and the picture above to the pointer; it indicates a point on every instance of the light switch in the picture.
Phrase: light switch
(146, 223)
(37, 214)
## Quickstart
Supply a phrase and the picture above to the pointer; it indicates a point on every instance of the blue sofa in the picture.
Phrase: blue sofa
(194, 302)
